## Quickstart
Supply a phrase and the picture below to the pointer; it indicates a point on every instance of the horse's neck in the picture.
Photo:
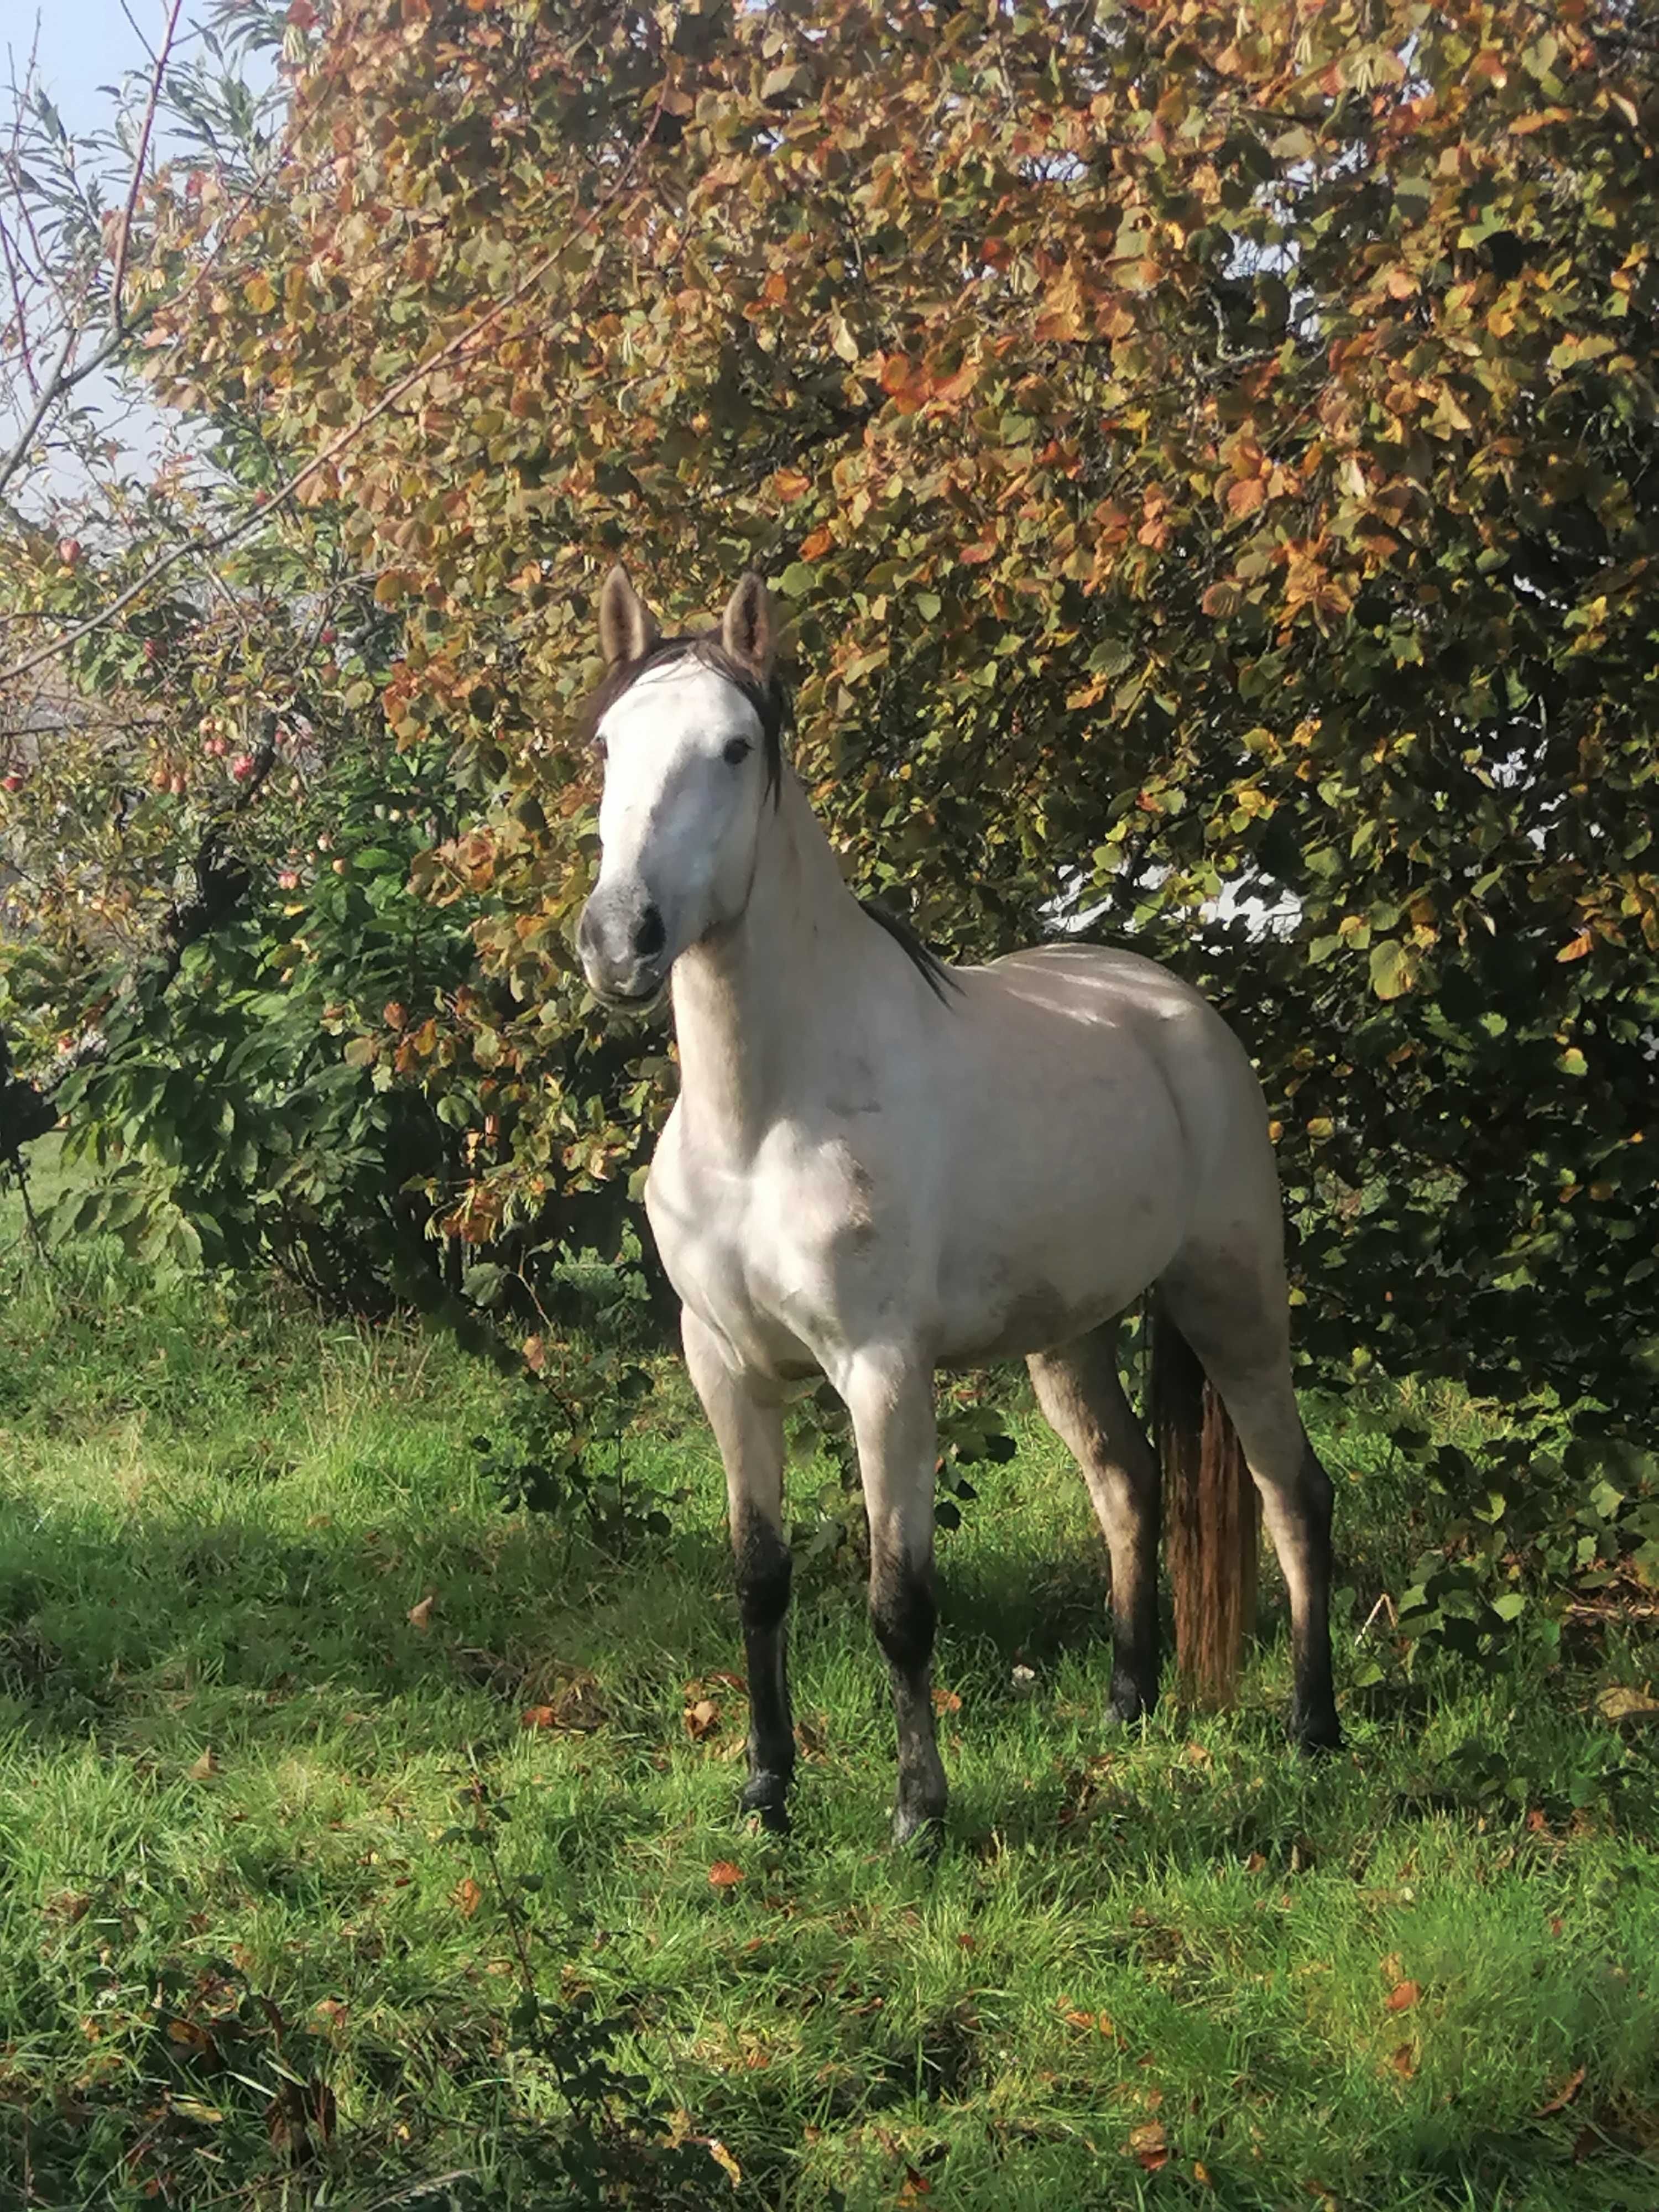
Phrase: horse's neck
(747, 1000)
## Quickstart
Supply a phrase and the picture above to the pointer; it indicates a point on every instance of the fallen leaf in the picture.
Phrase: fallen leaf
(539, 1716)
(723, 1874)
(1201, 2174)
(1619, 1703)
(723, 2159)
(1404, 2061)
(965, 1942)
(420, 1616)
(200, 1769)
(1149, 2145)
(1393, 1968)
(1563, 2097)
(945, 1701)
(1585, 2143)
(701, 1719)
(69, 1904)
(467, 1897)
(1079, 2018)
(915, 2185)
(331, 2009)
(1402, 1996)
(1255, 1862)
(189, 2034)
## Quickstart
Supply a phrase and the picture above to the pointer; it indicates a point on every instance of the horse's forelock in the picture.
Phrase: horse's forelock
(770, 698)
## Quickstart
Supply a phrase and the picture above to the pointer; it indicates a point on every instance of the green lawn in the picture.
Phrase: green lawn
(245, 1959)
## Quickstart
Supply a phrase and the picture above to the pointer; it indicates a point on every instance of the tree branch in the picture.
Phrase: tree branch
(466, 342)
(117, 327)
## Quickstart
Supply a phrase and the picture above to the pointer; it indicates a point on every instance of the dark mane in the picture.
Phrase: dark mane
(770, 701)
(932, 970)
(774, 709)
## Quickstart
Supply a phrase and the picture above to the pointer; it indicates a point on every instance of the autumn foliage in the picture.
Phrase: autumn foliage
(1208, 455)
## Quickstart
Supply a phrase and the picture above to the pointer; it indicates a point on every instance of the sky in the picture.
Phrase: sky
(83, 49)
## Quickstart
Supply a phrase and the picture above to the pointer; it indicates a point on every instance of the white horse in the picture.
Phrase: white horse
(878, 1165)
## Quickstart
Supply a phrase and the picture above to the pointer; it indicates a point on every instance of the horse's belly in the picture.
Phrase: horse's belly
(1063, 1235)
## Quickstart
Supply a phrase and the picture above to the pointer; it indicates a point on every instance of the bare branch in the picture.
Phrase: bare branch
(466, 342)
(142, 155)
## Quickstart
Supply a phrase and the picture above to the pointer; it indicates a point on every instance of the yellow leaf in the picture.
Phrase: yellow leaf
(199, 1770)
(1619, 1703)
(1576, 950)
(258, 292)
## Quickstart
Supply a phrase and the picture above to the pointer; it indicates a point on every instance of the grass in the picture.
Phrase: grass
(245, 1958)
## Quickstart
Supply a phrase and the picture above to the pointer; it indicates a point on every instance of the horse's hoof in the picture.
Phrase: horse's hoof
(1129, 1703)
(920, 1833)
(1321, 1734)
(768, 1795)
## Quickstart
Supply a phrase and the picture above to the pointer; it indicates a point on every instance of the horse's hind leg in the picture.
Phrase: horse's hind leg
(1083, 1401)
(1234, 1316)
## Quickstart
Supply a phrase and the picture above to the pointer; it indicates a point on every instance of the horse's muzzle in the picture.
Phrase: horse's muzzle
(624, 945)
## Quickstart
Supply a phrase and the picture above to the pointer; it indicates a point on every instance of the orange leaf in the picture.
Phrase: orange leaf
(897, 372)
(1402, 1996)
(1404, 2061)
(420, 1616)
(915, 2185)
(467, 1897)
(945, 1701)
(724, 1875)
(539, 1716)
(1579, 946)
(1149, 2145)
(814, 547)
(791, 484)
(1563, 2097)
(1245, 496)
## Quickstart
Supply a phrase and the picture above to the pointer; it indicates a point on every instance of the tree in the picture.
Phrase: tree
(1203, 456)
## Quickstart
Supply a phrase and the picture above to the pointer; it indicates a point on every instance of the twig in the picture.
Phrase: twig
(138, 160)
(1385, 1604)
(37, 1235)
(219, 541)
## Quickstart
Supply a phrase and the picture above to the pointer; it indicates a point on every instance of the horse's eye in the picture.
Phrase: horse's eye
(736, 750)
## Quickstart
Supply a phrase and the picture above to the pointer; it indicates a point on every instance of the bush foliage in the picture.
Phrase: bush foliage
(1210, 460)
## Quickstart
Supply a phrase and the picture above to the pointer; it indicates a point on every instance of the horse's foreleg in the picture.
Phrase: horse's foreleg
(748, 1426)
(890, 1400)
(1082, 1400)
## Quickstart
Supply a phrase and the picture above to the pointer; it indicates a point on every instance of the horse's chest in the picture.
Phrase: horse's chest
(762, 1252)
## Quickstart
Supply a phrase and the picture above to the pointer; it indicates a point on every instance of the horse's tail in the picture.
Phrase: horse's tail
(1209, 1519)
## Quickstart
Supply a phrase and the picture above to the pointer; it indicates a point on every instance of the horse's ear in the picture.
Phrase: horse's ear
(627, 629)
(749, 628)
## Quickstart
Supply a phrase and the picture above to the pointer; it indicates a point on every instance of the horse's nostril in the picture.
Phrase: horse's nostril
(649, 935)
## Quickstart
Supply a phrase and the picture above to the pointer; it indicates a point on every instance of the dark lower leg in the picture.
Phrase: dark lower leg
(903, 1613)
(764, 1572)
(1135, 1630)
(1312, 1716)
(1082, 1400)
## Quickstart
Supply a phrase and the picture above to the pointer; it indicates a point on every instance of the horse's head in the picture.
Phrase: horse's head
(688, 730)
